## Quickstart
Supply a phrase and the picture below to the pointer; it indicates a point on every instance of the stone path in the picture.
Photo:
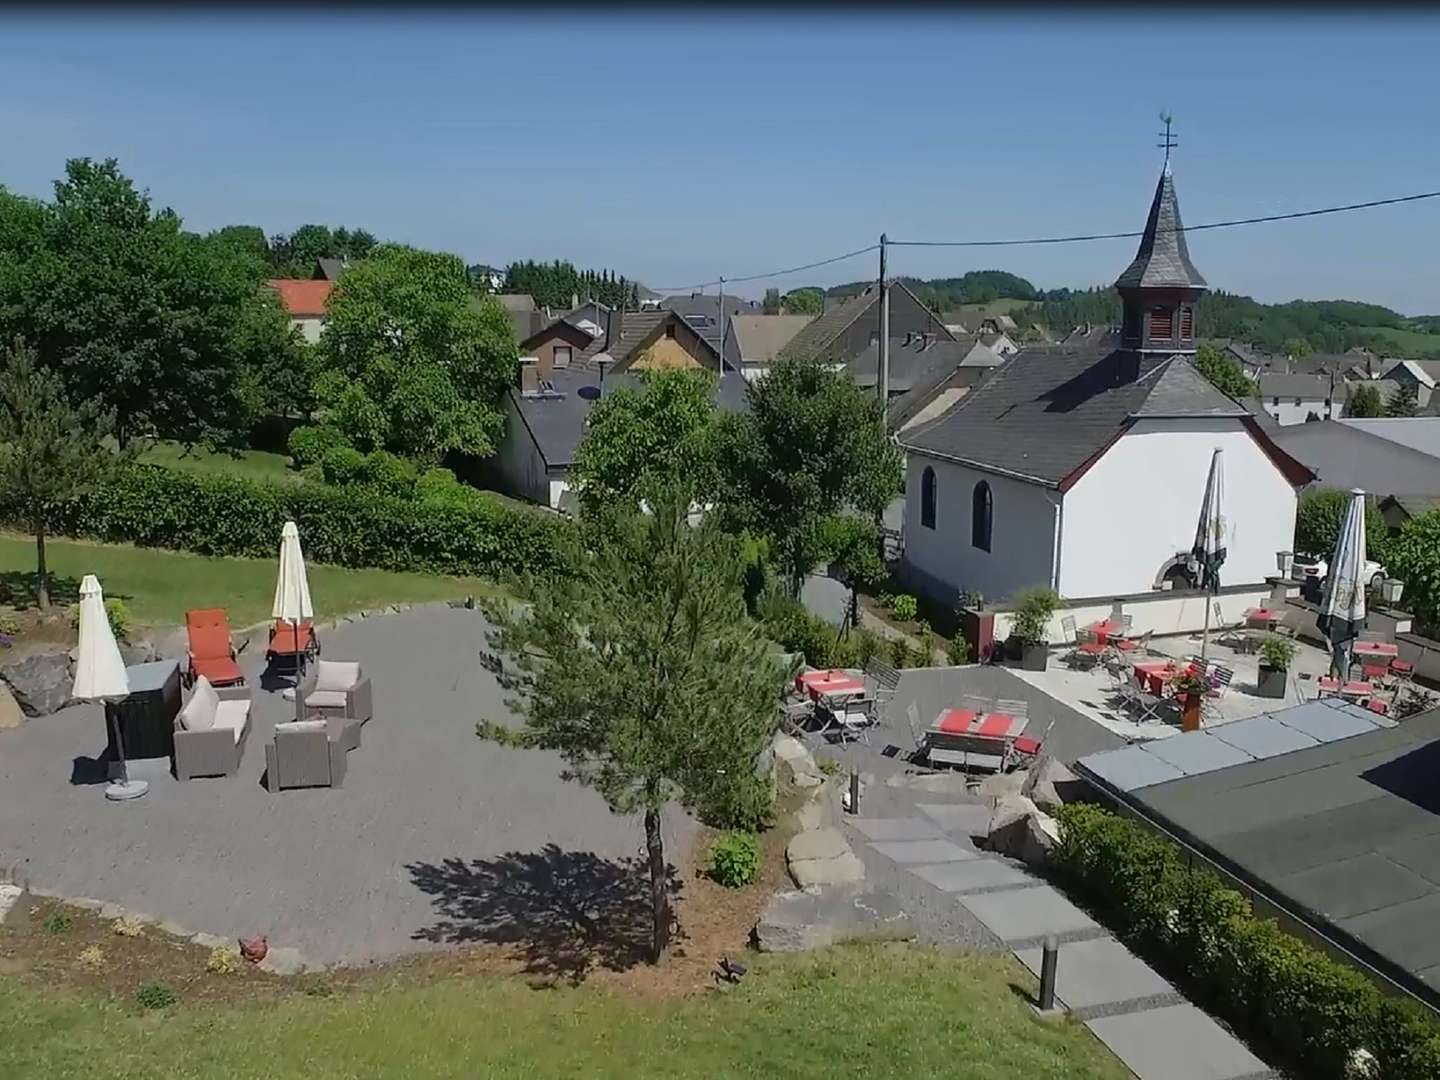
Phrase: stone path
(1144, 1021)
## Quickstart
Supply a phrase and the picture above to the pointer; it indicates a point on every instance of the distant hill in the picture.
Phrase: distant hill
(943, 294)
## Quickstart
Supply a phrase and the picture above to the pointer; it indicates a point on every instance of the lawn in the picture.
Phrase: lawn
(158, 586)
(1414, 343)
(251, 464)
(891, 1011)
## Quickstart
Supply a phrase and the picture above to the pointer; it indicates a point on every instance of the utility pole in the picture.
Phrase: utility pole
(721, 320)
(882, 382)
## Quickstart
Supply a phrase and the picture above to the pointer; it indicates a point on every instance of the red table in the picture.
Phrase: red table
(1387, 649)
(1153, 675)
(828, 689)
(1105, 630)
(807, 680)
(955, 721)
(1264, 617)
(992, 725)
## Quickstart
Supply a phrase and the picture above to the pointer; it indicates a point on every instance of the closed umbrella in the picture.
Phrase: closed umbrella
(100, 676)
(1208, 552)
(1342, 607)
(292, 598)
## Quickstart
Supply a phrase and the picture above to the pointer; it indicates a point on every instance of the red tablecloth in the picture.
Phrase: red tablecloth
(1264, 616)
(1376, 648)
(828, 688)
(955, 721)
(1153, 676)
(1356, 689)
(1105, 630)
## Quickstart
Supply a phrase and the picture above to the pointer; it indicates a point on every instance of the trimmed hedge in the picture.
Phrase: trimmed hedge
(222, 515)
(1307, 1009)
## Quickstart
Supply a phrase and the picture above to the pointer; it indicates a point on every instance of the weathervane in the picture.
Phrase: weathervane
(1169, 143)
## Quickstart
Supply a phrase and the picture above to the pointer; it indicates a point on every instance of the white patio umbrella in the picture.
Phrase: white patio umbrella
(1208, 552)
(100, 676)
(1342, 608)
(292, 597)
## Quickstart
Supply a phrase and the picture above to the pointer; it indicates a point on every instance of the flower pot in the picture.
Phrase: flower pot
(1034, 657)
(1271, 683)
(1190, 712)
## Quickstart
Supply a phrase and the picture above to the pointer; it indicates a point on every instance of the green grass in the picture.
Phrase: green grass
(251, 464)
(158, 586)
(882, 1012)
(1413, 343)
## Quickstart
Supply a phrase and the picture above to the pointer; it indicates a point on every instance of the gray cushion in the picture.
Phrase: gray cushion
(336, 674)
(199, 712)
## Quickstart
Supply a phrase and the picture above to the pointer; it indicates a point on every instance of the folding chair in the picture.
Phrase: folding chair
(1012, 707)
(1136, 645)
(1025, 749)
(1327, 686)
(1402, 671)
(921, 737)
(1148, 705)
(881, 682)
(1086, 652)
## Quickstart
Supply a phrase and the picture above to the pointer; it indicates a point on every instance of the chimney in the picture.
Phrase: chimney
(614, 325)
(529, 376)
(574, 300)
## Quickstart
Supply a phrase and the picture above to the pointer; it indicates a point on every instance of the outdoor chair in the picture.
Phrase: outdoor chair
(1136, 645)
(1147, 706)
(211, 653)
(881, 682)
(966, 751)
(292, 641)
(303, 754)
(1403, 671)
(1086, 651)
(1229, 632)
(1024, 750)
(1327, 686)
(1377, 706)
(921, 737)
(338, 692)
(1012, 707)
(210, 730)
(1375, 672)
(794, 715)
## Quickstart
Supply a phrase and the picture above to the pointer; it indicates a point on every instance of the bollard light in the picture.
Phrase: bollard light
(854, 790)
(1048, 961)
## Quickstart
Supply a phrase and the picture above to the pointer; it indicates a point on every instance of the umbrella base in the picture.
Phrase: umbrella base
(122, 790)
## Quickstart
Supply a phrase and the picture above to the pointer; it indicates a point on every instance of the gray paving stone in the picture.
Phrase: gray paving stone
(968, 819)
(1098, 972)
(923, 851)
(896, 828)
(1028, 913)
(971, 876)
(1178, 1042)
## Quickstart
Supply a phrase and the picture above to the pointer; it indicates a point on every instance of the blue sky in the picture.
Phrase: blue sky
(675, 149)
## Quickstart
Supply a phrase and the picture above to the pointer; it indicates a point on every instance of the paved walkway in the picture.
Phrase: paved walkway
(1131, 1009)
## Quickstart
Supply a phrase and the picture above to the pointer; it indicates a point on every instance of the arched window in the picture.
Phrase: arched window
(927, 498)
(981, 515)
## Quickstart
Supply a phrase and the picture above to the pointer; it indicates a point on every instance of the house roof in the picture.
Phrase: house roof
(1425, 372)
(816, 337)
(1050, 409)
(1346, 456)
(511, 301)
(1163, 260)
(329, 269)
(1420, 433)
(761, 337)
(1279, 384)
(303, 297)
(1413, 505)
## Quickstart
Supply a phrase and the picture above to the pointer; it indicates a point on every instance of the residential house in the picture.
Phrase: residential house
(1294, 399)
(1397, 510)
(564, 371)
(1083, 467)
(306, 301)
(329, 269)
(999, 343)
(756, 340)
(1418, 375)
(525, 317)
(926, 375)
(703, 312)
(846, 330)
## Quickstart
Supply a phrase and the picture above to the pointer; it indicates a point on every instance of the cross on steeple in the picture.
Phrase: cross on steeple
(1169, 142)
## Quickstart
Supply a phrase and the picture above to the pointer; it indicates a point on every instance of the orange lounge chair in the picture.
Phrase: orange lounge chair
(211, 653)
(292, 641)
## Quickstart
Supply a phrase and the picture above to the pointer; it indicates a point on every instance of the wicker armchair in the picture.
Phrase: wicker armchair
(210, 730)
(339, 693)
(303, 754)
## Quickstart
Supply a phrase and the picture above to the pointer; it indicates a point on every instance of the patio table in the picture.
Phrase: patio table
(1104, 630)
(831, 689)
(1265, 618)
(806, 680)
(1357, 689)
(955, 721)
(1387, 649)
(991, 725)
(1153, 675)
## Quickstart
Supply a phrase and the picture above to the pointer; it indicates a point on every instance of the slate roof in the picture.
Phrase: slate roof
(1346, 456)
(1308, 387)
(1421, 433)
(329, 269)
(1048, 409)
(826, 327)
(1163, 260)
(761, 337)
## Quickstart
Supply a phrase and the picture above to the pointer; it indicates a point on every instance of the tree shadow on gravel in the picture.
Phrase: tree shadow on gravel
(568, 912)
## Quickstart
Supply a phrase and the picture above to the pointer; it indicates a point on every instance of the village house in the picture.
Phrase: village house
(306, 301)
(1294, 399)
(1083, 466)
(926, 375)
(756, 340)
(846, 330)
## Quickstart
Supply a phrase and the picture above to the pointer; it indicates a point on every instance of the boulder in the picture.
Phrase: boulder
(10, 713)
(173, 644)
(999, 785)
(814, 917)
(798, 761)
(822, 857)
(1042, 833)
(9, 897)
(1050, 784)
(137, 652)
(41, 683)
(1006, 833)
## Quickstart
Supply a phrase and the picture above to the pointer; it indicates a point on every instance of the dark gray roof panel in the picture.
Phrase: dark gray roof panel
(1163, 260)
(1197, 752)
(1131, 768)
(1262, 736)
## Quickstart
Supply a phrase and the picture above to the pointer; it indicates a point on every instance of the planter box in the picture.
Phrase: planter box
(1034, 657)
(1271, 683)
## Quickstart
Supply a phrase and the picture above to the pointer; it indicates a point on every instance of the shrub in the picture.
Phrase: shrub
(901, 654)
(223, 960)
(735, 859)
(906, 607)
(309, 445)
(1308, 1009)
(92, 958)
(389, 475)
(128, 926)
(58, 922)
(788, 623)
(155, 995)
(1277, 653)
(927, 644)
(1033, 608)
(341, 466)
(227, 515)
(9, 622)
(957, 650)
(115, 611)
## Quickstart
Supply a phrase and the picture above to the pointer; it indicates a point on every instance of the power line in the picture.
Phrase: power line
(771, 274)
(1184, 229)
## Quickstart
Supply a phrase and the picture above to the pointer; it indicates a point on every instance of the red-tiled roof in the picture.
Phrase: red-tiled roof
(302, 298)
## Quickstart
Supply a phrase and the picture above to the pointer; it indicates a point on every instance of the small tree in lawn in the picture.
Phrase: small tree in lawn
(641, 667)
(1365, 401)
(51, 450)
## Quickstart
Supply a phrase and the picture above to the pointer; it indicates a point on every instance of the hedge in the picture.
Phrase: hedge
(1307, 1010)
(152, 506)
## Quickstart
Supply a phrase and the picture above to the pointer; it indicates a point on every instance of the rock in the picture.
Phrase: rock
(110, 912)
(816, 813)
(814, 917)
(10, 714)
(41, 683)
(999, 785)
(137, 652)
(798, 760)
(765, 763)
(282, 961)
(1006, 834)
(1051, 784)
(1042, 833)
(808, 780)
(211, 941)
(174, 929)
(85, 903)
(822, 857)
(942, 783)
(9, 897)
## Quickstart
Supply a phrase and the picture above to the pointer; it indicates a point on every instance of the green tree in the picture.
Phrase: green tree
(1297, 348)
(1364, 401)
(166, 329)
(1414, 558)
(411, 361)
(1402, 402)
(247, 241)
(642, 669)
(771, 305)
(49, 450)
(1223, 372)
(809, 447)
(638, 435)
(805, 301)
(1321, 512)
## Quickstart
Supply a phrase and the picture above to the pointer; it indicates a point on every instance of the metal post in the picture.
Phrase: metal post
(1047, 973)
(882, 381)
(721, 321)
(854, 790)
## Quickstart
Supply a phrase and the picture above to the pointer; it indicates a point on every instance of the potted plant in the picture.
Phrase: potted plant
(1189, 689)
(1275, 656)
(1030, 631)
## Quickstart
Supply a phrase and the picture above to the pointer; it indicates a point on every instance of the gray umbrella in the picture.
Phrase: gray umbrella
(1342, 609)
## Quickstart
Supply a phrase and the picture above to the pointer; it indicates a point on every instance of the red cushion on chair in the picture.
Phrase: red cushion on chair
(1374, 671)
(1401, 667)
(1026, 745)
(1375, 705)
(219, 670)
(1091, 648)
(283, 638)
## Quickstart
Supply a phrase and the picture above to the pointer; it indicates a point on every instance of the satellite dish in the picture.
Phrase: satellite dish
(589, 393)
